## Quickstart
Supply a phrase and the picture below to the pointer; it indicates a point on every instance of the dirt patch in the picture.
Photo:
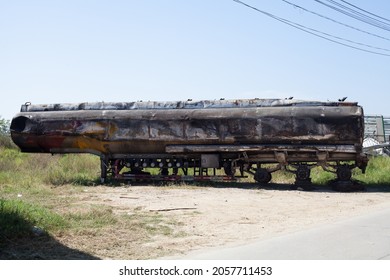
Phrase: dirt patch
(201, 217)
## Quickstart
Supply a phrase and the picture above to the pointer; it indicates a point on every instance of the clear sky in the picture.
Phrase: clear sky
(90, 50)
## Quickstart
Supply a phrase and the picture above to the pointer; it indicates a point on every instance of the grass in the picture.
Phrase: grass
(377, 173)
(83, 170)
(20, 219)
(40, 204)
(40, 191)
(96, 217)
(56, 170)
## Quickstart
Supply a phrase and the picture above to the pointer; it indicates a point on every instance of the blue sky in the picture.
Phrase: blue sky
(87, 51)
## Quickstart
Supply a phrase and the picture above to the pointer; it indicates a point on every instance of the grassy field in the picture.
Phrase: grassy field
(39, 204)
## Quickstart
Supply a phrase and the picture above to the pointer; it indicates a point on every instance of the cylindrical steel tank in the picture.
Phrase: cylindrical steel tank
(207, 133)
(149, 127)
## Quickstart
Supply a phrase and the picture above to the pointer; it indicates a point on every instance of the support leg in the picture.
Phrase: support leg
(103, 169)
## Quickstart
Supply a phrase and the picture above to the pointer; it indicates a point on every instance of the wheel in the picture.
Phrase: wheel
(302, 173)
(262, 175)
(227, 167)
(344, 173)
(228, 170)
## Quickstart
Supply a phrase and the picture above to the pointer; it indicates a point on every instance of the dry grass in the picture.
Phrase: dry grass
(84, 230)
(43, 190)
(46, 193)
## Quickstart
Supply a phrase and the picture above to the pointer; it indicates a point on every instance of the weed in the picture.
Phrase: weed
(378, 171)
(98, 216)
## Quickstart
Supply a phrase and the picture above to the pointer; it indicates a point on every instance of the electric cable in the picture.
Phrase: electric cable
(335, 21)
(356, 7)
(312, 31)
(356, 15)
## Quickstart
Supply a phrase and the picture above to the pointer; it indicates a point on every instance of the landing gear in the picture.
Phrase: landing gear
(303, 173)
(343, 183)
(103, 170)
(164, 171)
(302, 179)
(128, 168)
(262, 176)
(344, 173)
(227, 167)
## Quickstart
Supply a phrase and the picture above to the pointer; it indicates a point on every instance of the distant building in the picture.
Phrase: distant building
(376, 134)
(377, 127)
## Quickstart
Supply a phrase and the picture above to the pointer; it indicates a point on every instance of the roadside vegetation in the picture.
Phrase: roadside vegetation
(41, 214)
(43, 217)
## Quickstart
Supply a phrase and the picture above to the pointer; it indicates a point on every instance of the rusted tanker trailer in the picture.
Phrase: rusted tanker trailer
(189, 140)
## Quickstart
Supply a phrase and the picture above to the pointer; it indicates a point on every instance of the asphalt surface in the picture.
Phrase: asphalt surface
(360, 238)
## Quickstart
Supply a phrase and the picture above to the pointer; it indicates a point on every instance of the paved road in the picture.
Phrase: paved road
(364, 237)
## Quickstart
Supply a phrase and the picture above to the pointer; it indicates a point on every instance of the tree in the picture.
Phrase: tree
(5, 137)
(4, 126)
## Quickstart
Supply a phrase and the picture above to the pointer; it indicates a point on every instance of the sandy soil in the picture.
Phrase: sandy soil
(204, 217)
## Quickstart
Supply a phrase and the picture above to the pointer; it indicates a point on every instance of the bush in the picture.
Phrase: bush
(378, 171)
(5, 136)
(4, 126)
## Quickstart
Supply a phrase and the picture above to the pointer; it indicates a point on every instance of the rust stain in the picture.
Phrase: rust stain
(87, 143)
(148, 127)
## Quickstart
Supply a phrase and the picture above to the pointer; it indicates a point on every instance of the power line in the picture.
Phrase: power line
(335, 21)
(355, 14)
(310, 31)
(339, 38)
(356, 7)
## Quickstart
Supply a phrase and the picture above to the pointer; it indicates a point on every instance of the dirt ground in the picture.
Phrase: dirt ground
(202, 217)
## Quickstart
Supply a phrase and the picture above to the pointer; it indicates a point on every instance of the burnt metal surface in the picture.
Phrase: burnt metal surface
(229, 134)
(291, 135)
(189, 104)
(109, 128)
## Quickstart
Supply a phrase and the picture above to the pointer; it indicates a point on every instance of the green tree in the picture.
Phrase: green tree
(5, 136)
(4, 126)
